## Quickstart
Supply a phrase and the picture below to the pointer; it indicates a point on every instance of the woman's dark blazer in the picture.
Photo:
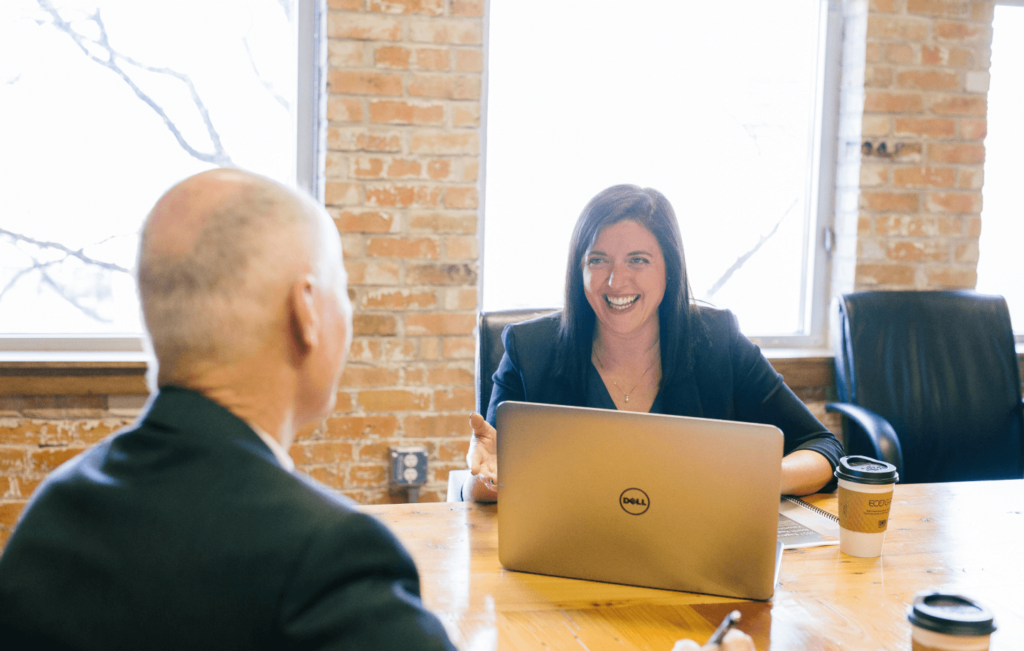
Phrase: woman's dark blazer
(731, 380)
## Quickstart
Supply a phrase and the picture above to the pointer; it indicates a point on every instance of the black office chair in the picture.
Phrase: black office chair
(489, 350)
(929, 381)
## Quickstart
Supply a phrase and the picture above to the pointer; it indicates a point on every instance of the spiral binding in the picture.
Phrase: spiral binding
(811, 507)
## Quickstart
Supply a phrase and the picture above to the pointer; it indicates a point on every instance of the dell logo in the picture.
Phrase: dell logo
(634, 501)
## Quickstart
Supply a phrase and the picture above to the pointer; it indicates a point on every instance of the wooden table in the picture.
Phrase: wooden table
(966, 538)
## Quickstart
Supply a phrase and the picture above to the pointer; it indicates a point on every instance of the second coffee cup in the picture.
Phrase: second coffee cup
(865, 495)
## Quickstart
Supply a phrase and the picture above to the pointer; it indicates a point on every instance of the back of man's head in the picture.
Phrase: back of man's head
(218, 255)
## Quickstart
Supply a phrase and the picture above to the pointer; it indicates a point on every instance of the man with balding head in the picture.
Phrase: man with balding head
(190, 529)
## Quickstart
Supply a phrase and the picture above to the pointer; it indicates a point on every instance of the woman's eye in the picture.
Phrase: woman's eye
(594, 261)
(638, 260)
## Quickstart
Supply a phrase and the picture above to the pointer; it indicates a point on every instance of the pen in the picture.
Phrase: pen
(730, 620)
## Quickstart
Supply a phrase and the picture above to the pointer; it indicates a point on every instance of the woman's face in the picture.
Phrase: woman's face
(624, 277)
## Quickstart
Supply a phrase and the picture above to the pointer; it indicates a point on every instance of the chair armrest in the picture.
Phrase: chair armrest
(456, 478)
(872, 430)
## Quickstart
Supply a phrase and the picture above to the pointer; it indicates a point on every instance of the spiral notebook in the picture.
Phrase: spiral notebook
(805, 525)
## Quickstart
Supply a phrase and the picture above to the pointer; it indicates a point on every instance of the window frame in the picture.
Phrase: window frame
(816, 293)
(310, 138)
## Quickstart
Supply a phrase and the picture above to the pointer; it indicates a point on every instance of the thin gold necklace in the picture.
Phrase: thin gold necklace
(626, 393)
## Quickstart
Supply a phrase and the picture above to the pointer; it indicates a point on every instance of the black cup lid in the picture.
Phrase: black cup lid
(865, 470)
(951, 614)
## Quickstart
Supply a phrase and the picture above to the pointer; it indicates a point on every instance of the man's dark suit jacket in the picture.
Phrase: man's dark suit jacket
(731, 380)
(184, 532)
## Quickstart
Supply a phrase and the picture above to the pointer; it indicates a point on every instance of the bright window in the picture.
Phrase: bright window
(108, 103)
(1000, 264)
(718, 105)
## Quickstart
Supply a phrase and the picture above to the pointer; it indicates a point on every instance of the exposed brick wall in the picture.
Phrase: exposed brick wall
(925, 82)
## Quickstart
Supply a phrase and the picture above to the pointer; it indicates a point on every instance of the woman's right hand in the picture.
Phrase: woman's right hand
(482, 460)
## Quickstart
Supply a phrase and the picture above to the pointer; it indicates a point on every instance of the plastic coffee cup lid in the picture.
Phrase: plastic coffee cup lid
(865, 470)
(950, 614)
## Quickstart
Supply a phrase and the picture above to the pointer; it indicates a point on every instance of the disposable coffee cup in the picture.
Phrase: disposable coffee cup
(865, 494)
(949, 622)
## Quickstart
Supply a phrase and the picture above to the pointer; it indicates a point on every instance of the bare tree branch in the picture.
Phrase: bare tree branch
(218, 157)
(27, 270)
(62, 292)
(17, 237)
(266, 84)
(740, 261)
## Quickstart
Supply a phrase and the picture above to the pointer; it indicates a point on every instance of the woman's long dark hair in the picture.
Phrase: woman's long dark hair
(676, 316)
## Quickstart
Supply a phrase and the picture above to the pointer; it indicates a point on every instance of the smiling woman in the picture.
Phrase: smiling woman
(631, 338)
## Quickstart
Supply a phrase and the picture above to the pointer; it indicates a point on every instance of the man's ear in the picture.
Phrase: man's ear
(302, 300)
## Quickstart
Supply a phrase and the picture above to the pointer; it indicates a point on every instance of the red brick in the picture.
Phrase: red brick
(907, 152)
(890, 201)
(403, 168)
(973, 129)
(364, 83)
(430, 348)
(940, 8)
(354, 427)
(368, 376)
(344, 109)
(873, 175)
(958, 202)
(456, 399)
(463, 247)
(917, 251)
(458, 347)
(959, 57)
(91, 432)
(367, 475)
(328, 476)
(367, 168)
(320, 452)
(469, 60)
(434, 426)
(49, 459)
(932, 55)
(26, 486)
(438, 222)
(453, 450)
(931, 127)
(342, 403)
(445, 142)
(402, 195)
(917, 226)
(373, 324)
(360, 139)
(365, 222)
(461, 298)
(466, 115)
(460, 197)
(956, 153)
(953, 277)
(966, 251)
(875, 125)
(10, 512)
(344, 54)
(900, 53)
(349, 5)
(451, 30)
(397, 112)
(439, 169)
(881, 102)
(877, 76)
(439, 324)
(928, 80)
(450, 374)
(444, 86)
(908, 28)
(471, 8)
(884, 274)
(430, 58)
(363, 27)
(383, 350)
(378, 272)
(398, 299)
(395, 247)
(431, 7)
(392, 56)
(436, 273)
(970, 179)
(974, 226)
(394, 400)
(920, 177)
(957, 31)
(380, 451)
(959, 105)
(873, 52)
(337, 193)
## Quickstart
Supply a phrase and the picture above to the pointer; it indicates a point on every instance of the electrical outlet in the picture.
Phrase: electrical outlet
(409, 466)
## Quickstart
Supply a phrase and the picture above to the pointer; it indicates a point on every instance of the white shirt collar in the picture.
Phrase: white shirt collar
(279, 452)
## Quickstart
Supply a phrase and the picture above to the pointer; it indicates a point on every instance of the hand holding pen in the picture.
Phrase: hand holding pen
(725, 638)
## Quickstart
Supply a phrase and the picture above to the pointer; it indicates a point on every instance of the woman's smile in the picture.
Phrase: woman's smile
(624, 278)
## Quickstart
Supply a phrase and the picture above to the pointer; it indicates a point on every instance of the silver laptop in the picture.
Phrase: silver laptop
(642, 499)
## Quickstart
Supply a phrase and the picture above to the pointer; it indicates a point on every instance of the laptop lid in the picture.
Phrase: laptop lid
(650, 500)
